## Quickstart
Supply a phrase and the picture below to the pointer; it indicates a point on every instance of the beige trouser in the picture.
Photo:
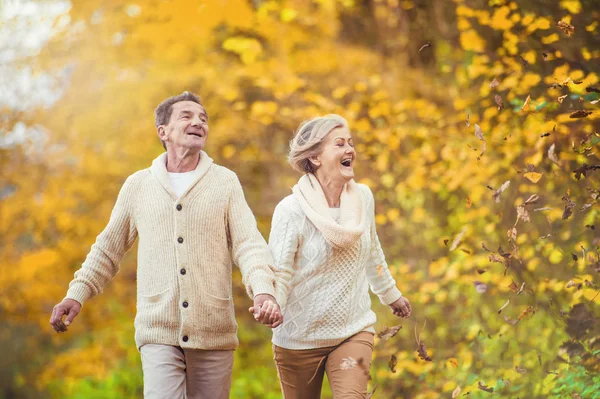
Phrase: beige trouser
(171, 372)
(301, 371)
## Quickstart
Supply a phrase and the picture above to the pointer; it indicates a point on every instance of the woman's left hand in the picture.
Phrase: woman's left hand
(401, 307)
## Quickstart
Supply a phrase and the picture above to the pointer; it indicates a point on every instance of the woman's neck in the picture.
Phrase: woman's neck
(332, 190)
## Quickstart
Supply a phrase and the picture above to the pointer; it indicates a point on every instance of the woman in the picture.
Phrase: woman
(327, 253)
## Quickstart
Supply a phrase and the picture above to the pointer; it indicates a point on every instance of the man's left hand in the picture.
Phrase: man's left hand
(266, 310)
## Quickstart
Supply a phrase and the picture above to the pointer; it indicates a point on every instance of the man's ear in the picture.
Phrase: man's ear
(162, 132)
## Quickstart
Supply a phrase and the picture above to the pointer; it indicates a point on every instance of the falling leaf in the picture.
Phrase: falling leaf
(504, 306)
(534, 177)
(428, 44)
(457, 239)
(575, 258)
(422, 351)
(484, 387)
(545, 55)
(481, 271)
(456, 392)
(499, 102)
(348, 363)
(370, 394)
(479, 133)
(467, 121)
(512, 234)
(521, 289)
(580, 114)
(496, 195)
(568, 206)
(526, 104)
(591, 89)
(494, 83)
(566, 28)
(388, 333)
(453, 362)
(513, 286)
(496, 258)
(529, 311)
(584, 170)
(480, 287)
(523, 61)
(484, 247)
(392, 363)
(520, 370)
(552, 154)
(561, 98)
(594, 102)
(511, 321)
(545, 135)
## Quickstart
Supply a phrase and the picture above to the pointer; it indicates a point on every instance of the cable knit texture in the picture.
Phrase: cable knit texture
(185, 252)
(325, 269)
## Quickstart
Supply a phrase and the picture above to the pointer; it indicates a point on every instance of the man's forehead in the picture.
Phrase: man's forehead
(190, 106)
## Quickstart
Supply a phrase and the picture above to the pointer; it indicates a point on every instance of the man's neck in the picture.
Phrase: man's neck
(182, 161)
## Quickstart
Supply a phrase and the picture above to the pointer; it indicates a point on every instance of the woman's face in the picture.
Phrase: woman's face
(336, 160)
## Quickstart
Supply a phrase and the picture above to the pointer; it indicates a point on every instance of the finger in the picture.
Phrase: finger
(54, 317)
(263, 309)
(266, 318)
(71, 314)
(251, 309)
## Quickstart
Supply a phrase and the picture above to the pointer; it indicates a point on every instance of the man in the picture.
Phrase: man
(192, 220)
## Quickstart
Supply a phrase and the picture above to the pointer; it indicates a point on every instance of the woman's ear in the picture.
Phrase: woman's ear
(315, 161)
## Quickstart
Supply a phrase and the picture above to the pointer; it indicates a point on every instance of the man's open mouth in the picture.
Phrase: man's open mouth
(196, 134)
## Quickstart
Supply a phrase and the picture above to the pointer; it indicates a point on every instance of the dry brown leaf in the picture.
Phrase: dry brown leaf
(520, 370)
(499, 102)
(513, 286)
(561, 98)
(456, 392)
(512, 234)
(392, 363)
(428, 44)
(510, 321)
(484, 387)
(580, 114)
(422, 351)
(496, 258)
(504, 306)
(594, 102)
(567, 29)
(370, 394)
(494, 83)
(528, 312)
(552, 154)
(348, 363)
(496, 195)
(521, 289)
(457, 239)
(388, 333)
(522, 214)
(467, 121)
(453, 362)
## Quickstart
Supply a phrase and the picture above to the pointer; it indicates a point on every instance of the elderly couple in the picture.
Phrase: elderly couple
(310, 283)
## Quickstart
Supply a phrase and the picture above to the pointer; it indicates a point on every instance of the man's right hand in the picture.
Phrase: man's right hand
(68, 307)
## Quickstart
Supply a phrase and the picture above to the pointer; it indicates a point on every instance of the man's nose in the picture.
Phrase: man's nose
(196, 121)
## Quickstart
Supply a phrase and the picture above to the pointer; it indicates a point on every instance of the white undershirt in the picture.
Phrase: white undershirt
(336, 213)
(181, 181)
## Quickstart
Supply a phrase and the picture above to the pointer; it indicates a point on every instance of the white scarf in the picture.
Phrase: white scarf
(352, 224)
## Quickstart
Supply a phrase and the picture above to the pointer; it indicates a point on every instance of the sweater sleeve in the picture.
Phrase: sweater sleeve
(283, 242)
(249, 249)
(380, 279)
(102, 262)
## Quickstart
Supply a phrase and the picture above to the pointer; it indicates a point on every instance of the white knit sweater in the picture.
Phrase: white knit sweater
(324, 269)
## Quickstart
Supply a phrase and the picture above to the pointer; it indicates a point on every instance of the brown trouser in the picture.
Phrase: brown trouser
(171, 372)
(301, 371)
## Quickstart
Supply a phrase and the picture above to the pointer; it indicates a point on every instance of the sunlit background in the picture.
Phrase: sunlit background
(474, 123)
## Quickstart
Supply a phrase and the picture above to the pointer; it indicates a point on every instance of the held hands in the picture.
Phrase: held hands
(401, 308)
(266, 310)
(68, 307)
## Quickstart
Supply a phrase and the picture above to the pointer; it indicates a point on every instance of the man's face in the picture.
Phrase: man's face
(187, 128)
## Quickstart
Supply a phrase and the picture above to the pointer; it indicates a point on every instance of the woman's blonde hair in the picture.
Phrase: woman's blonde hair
(308, 141)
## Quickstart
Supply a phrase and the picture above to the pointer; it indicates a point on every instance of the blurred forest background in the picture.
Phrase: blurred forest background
(477, 128)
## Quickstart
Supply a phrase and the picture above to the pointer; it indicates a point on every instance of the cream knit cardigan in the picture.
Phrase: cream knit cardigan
(185, 251)
(325, 268)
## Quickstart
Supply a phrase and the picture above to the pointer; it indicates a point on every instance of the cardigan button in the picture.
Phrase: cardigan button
(185, 304)
(185, 338)
(178, 207)
(182, 271)
(180, 240)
